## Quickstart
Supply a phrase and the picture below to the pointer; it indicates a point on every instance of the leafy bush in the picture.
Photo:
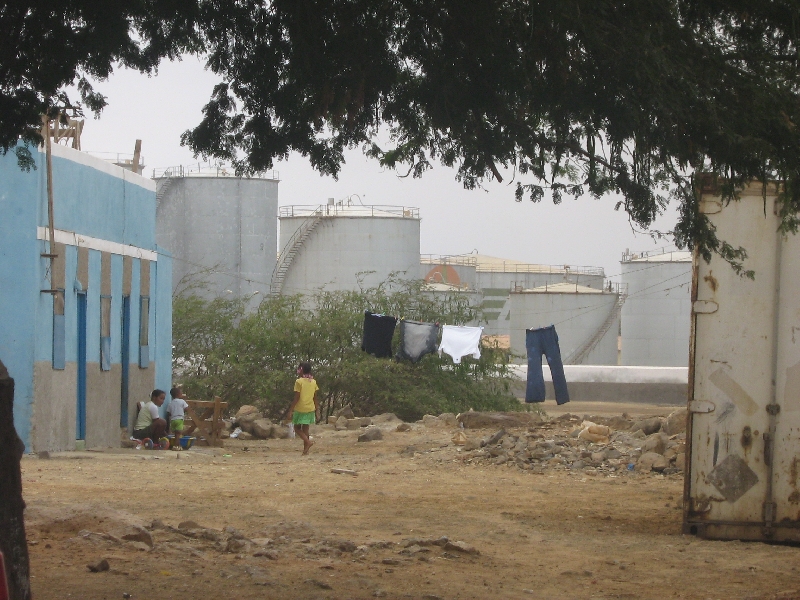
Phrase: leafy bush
(251, 358)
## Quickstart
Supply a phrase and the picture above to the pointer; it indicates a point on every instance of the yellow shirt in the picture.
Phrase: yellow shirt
(307, 389)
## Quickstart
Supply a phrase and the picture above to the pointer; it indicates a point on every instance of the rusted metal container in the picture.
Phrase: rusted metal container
(743, 434)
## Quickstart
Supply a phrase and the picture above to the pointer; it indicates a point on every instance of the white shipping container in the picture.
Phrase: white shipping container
(743, 435)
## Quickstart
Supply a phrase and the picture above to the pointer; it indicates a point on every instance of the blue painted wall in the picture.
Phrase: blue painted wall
(91, 198)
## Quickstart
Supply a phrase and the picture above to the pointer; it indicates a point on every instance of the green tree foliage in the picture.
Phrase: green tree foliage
(251, 357)
(572, 96)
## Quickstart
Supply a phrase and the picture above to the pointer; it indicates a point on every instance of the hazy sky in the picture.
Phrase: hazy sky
(454, 220)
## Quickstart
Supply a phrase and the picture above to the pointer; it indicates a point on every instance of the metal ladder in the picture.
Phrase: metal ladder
(162, 186)
(289, 252)
(583, 351)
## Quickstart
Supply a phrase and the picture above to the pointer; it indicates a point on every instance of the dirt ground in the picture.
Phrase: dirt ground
(302, 531)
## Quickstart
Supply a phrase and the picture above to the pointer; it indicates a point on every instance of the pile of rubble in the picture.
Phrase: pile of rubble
(590, 445)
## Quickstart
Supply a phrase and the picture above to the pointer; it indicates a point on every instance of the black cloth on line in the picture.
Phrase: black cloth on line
(416, 340)
(378, 332)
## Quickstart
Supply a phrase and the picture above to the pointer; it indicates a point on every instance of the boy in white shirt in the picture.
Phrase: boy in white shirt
(176, 410)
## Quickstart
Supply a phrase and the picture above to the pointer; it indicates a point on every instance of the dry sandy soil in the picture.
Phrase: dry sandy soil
(302, 531)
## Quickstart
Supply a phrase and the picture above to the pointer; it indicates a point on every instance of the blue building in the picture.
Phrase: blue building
(85, 333)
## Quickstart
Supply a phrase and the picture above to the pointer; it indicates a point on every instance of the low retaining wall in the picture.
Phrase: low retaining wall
(588, 383)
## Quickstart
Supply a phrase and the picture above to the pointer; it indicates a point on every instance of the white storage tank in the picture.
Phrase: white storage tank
(220, 229)
(656, 315)
(586, 320)
(343, 246)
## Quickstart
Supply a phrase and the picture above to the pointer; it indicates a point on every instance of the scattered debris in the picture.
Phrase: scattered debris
(99, 567)
(344, 472)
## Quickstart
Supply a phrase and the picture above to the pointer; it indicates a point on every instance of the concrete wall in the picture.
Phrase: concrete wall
(656, 315)
(577, 318)
(508, 280)
(225, 224)
(340, 247)
(104, 216)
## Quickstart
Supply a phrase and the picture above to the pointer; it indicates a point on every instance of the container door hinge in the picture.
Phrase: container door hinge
(701, 406)
(704, 307)
(773, 409)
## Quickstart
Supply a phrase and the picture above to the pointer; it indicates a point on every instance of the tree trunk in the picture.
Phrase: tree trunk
(13, 544)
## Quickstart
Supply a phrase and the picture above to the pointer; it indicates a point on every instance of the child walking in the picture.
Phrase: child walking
(305, 406)
(176, 410)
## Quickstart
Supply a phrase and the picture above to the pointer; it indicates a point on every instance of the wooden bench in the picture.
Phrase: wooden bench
(205, 416)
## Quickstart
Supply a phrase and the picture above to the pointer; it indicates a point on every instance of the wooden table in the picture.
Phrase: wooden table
(205, 416)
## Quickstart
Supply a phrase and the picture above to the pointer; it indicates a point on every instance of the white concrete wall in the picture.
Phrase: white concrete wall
(223, 222)
(340, 247)
(577, 318)
(656, 315)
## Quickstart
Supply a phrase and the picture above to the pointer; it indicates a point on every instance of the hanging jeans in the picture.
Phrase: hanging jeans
(416, 340)
(538, 342)
(378, 332)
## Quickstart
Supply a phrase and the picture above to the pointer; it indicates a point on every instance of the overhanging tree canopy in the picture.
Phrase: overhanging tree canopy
(570, 96)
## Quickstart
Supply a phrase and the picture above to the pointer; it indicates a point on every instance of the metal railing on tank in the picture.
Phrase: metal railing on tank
(349, 210)
(201, 170)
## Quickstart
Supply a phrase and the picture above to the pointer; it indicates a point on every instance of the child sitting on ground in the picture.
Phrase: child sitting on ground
(305, 406)
(176, 410)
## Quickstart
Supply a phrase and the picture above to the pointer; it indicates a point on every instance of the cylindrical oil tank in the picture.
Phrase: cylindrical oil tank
(586, 321)
(222, 232)
(656, 314)
(344, 247)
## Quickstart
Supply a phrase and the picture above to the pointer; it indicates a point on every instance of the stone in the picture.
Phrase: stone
(246, 422)
(332, 420)
(353, 424)
(385, 418)
(431, 421)
(371, 434)
(612, 454)
(675, 423)
(189, 525)
(651, 461)
(138, 534)
(245, 436)
(320, 584)
(657, 442)
(598, 457)
(647, 426)
(403, 427)
(247, 409)
(491, 441)
(617, 423)
(409, 451)
(345, 411)
(461, 547)
(680, 461)
(99, 566)
(262, 429)
(449, 419)
(472, 444)
(347, 546)
(589, 436)
(479, 420)
(344, 472)
(341, 423)
(459, 438)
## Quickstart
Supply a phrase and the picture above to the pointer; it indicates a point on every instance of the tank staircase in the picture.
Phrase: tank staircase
(582, 352)
(162, 187)
(289, 252)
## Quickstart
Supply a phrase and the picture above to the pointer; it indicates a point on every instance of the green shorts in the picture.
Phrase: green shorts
(300, 418)
(176, 425)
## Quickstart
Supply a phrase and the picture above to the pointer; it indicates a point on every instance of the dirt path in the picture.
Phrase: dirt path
(302, 531)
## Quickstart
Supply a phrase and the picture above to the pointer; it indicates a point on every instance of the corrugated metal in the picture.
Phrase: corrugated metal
(743, 454)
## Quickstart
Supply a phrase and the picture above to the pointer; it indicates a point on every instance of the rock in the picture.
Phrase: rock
(44, 454)
(261, 429)
(680, 461)
(138, 534)
(461, 547)
(245, 436)
(448, 419)
(189, 525)
(344, 472)
(647, 426)
(246, 422)
(478, 420)
(353, 424)
(99, 566)
(612, 454)
(385, 418)
(341, 423)
(403, 427)
(675, 422)
(345, 411)
(656, 442)
(598, 457)
(617, 423)
(320, 584)
(588, 436)
(247, 409)
(472, 444)
(409, 451)
(332, 420)
(371, 434)
(431, 421)
(578, 464)
(347, 546)
(651, 461)
(491, 441)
